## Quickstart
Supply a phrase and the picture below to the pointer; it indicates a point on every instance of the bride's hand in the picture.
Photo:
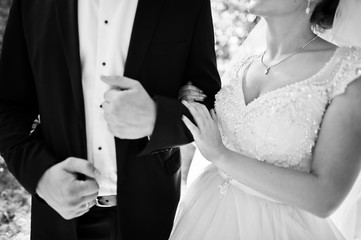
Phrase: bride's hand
(191, 93)
(206, 134)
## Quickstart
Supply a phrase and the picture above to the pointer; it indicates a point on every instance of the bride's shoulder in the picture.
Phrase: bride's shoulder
(346, 53)
(347, 69)
(351, 54)
(349, 59)
(341, 59)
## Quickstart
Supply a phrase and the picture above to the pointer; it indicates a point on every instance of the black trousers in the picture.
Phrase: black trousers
(98, 224)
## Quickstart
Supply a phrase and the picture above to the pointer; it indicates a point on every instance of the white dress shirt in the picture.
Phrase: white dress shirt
(105, 28)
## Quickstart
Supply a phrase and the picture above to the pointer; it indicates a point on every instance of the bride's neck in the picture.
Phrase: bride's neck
(284, 35)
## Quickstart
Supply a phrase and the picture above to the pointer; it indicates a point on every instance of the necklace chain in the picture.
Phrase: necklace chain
(268, 68)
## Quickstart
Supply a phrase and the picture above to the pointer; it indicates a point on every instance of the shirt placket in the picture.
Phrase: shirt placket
(103, 141)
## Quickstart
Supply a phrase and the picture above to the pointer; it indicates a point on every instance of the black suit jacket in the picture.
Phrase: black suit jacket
(172, 42)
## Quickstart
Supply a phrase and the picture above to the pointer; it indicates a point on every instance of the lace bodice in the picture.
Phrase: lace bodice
(281, 126)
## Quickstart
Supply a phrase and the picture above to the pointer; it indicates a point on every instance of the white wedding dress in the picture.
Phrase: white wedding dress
(279, 128)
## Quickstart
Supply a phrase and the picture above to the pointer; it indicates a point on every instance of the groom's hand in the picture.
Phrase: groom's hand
(128, 109)
(64, 192)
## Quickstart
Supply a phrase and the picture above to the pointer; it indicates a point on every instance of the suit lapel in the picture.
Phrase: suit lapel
(67, 17)
(144, 25)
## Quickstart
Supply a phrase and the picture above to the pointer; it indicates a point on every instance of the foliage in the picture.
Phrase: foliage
(14, 205)
(232, 24)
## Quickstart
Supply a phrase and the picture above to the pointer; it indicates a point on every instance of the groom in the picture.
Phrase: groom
(104, 77)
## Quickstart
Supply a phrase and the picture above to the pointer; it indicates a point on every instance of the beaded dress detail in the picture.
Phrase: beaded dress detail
(280, 128)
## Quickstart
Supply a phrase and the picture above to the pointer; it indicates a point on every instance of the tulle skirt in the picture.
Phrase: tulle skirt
(216, 207)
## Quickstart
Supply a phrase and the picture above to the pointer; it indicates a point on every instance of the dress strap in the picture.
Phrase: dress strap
(349, 69)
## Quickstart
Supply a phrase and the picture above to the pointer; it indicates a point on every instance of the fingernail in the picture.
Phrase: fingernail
(184, 102)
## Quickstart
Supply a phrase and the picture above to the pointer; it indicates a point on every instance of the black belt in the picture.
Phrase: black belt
(106, 201)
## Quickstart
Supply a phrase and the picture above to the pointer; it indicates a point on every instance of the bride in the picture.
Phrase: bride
(288, 150)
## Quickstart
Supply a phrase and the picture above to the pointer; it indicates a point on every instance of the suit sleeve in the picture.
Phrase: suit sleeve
(25, 154)
(169, 130)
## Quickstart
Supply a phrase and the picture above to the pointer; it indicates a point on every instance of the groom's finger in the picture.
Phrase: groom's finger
(120, 82)
(88, 199)
(106, 106)
(87, 187)
(111, 95)
(77, 165)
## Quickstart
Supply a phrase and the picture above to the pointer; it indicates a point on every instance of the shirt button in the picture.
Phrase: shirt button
(99, 148)
(104, 64)
(106, 22)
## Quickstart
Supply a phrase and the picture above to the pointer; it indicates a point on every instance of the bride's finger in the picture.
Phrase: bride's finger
(192, 107)
(191, 127)
(204, 111)
(214, 115)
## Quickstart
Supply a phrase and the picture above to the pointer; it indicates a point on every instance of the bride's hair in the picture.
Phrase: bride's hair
(324, 13)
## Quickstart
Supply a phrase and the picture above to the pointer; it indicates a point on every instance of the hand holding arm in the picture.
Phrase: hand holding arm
(191, 93)
(201, 70)
(335, 167)
(206, 133)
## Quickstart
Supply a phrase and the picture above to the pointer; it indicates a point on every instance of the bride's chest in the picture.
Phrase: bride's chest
(280, 126)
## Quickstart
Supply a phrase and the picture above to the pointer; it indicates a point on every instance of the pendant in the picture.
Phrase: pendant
(308, 10)
(266, 71)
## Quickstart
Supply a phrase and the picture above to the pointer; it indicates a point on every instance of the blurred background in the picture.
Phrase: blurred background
(232, 24)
